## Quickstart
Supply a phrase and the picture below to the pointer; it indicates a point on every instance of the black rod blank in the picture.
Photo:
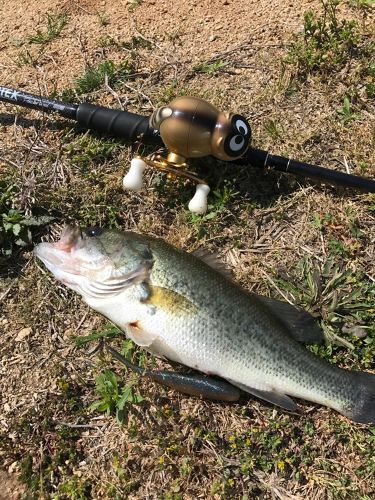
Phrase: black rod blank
(260, 158)
(133, 127)
(37, 102)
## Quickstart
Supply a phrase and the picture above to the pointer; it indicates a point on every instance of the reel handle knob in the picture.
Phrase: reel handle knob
(198, 203)
(133, 180)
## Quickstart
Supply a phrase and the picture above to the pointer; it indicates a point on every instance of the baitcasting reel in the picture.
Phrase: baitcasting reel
(191, 128)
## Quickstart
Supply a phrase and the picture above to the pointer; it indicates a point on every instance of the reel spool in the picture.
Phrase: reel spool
(191, 128)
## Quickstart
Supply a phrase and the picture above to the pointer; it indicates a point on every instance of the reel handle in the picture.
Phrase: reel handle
(198, 203)
(133, 180)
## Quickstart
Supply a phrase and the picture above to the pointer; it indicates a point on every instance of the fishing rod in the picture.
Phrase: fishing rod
(189, 128)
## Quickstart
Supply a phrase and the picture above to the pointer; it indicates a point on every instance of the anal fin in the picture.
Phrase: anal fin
(275, 398)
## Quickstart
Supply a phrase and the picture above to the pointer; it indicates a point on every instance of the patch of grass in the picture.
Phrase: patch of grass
(210, 68)
(94, 76)
(136, 42)
(340, 297)
(171, 92)
(219, 200)
(369, 75)
(363, 5)
(55, 455)
(273, 129)
(346, 113)
(30, 58)
(104, 19)
(134, 4)
(109, 332)
(326, 42)
(89, 150)
(15, 226)
(56, 22)
(73, 489)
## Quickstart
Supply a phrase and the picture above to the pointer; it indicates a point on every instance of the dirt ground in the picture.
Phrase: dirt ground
(277, 233)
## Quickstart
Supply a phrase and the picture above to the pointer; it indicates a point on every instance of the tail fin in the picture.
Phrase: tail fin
(363, 411)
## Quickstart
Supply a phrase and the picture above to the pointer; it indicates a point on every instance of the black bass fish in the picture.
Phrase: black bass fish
(178, 307)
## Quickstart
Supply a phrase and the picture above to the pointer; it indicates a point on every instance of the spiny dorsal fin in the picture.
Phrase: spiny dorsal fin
(300, 324)
(213, 260)
(273, 397)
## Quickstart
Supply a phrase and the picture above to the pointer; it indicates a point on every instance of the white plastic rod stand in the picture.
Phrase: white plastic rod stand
(133, 180)
(198, 203)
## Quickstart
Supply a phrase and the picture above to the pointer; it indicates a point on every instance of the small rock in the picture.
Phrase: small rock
(355, 330)
(22, 334)
(12, 467)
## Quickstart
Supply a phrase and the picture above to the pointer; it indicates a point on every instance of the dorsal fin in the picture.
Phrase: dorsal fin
(300, 324)
(213, 260)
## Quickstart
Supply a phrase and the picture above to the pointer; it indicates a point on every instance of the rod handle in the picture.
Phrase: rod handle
(118, 123)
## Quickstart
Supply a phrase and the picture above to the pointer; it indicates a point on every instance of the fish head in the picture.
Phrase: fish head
(97, 262)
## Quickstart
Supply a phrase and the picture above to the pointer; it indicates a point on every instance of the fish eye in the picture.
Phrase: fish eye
(91, 232)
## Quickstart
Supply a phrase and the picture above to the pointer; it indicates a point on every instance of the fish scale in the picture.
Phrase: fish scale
(179, 307)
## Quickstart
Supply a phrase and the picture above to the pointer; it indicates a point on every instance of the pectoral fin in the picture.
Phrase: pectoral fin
(300, 324)
(273, 397)
(139, 335)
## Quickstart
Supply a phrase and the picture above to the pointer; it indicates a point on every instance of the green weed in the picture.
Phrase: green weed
(73, 489)
(55, 24)
(273, 129)
(104, 19)
(89, 150)
(340, 298)
(210, 68)
(41, 471)
(369, 75)
(136, 42)
(218, 201)
(15, 226)
(326, 41)
(363, 5)
(30, 57)
(133, 4)
(108, 332)
(170, 92)
(346, 113)
(94, 76)
(114, 396)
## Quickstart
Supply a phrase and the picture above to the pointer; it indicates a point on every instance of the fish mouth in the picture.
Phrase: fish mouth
(67, 258)
(70, 236)
(84, 268)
